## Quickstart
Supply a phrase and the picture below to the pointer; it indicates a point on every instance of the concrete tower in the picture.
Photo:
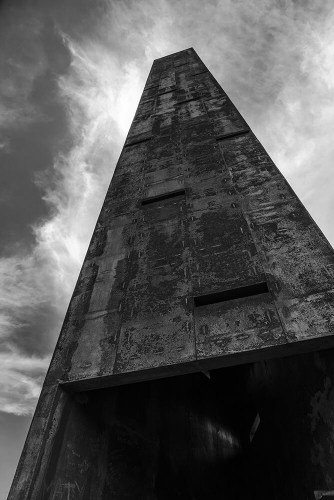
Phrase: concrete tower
(190, 364)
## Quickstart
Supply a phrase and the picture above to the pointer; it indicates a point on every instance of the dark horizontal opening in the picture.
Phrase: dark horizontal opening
(167, 92)
(235, 293)
(189, 100)
(200, 73)
(137, 142)
(154, 199)
(232, 134)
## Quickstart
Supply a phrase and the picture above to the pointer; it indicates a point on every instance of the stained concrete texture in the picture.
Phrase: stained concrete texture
(196, 206)
(202, 257)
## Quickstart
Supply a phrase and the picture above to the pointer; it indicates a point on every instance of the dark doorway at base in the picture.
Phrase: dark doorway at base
(192, 437)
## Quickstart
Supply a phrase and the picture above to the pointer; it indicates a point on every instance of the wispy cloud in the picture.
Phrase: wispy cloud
(21, 379)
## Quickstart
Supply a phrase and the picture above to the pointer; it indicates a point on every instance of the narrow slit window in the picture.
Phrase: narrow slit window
(166, 196)
(164, 93)
(137, 142)
(232, 134)
(235, 293)
(188, 100)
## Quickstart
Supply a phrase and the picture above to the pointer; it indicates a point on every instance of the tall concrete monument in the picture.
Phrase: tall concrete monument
(196, 357)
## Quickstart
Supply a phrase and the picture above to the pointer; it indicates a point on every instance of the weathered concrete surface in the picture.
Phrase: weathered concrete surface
(236, 223)
(233, 222)
(157, 321)
(237, 325)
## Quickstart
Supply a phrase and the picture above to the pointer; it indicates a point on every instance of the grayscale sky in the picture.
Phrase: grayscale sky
(72, 72)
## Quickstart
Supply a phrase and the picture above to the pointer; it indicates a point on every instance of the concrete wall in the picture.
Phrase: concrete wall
(238, 224)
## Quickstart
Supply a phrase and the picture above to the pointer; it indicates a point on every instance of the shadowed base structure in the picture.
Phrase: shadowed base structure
(248, 432)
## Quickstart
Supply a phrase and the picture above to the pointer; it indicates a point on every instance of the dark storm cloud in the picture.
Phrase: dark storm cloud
(34, 118)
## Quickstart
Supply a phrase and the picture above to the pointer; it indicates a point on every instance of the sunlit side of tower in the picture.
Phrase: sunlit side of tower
(191, 362)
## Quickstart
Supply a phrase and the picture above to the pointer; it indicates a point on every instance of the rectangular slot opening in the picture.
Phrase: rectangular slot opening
(154, 199)
(232, 134)
(188, 100)
(137, 142)
(145, 102)
(235, 293)
(164, 93)
(200, 73)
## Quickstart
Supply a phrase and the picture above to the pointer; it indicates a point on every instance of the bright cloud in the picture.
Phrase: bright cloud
(21, 379)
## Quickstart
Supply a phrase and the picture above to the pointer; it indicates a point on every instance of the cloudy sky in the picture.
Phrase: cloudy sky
(72, 72)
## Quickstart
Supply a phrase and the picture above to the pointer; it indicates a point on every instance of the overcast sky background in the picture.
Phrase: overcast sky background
(72, 72)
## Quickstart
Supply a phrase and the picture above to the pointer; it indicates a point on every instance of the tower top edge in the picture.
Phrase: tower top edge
(175, 53)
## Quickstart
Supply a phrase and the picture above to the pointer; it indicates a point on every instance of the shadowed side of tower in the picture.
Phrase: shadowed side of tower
(170, 378)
